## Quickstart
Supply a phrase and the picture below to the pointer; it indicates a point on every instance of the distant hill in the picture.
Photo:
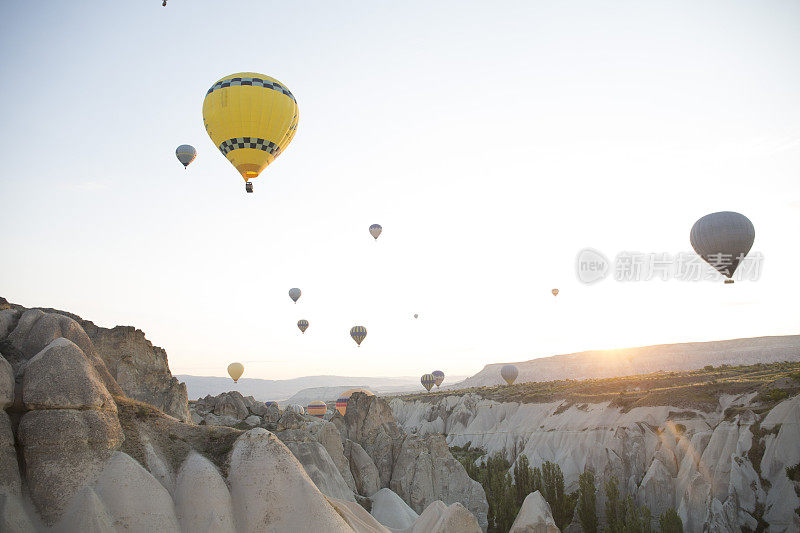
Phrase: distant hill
(267, 389)
(644, 360)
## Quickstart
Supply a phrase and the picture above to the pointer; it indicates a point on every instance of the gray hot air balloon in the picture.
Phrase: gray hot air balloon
(294, 294)
(296, 408)
(509, 373)
(375, 230)
(185, 154)
(723, 239)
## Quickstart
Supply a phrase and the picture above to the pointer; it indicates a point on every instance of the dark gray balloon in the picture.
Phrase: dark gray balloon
(185, 154)
(509, 373)
(294, 294)
(723, 239)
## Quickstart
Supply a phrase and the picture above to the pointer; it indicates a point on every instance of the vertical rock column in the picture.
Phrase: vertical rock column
(70, 427)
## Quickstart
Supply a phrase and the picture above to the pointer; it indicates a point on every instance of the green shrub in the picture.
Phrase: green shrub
(670, 522)
(587, 502)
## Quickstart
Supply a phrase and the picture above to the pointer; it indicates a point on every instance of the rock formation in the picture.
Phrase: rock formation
(124, 359)
(77, 454)
(696, 461)
(420, 470)
(534, 516)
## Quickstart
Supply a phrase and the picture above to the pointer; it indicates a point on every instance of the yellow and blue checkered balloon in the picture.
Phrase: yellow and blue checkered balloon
(358, 333)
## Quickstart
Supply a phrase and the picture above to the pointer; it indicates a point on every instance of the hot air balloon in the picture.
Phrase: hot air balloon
(251, 118)
(235, 371)
(509, 373)
(375, 230)
(297, 408)
(317, 408)
(185, 154)
(416, 315)
(358, 333)
(555, 292)
(723, 239)
(438, 375)
(428, 381)
(303, 325)
(294, 294)
(341, 402)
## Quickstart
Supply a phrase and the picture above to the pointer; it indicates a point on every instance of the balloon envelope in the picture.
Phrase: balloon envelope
(358, 333)
(509, 373)
(235, 371)
(438, 375)
(185, 154)
(555, 292)
(251, 118)
(317, 408)
(375, 230)
(296, 408)
(723, 239)
(428, 381)
(303, 325)
(294, 294)
(341, 403)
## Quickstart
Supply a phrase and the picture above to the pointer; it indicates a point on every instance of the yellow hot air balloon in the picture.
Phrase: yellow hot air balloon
(235, 371)
(251, 118)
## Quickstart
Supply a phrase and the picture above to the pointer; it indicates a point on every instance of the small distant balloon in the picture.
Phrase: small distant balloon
(416, 315)
(438, 376)
(723, 239)
(317, 408)
(303, 325)
(428, 381)
(358, 333)
(509, 373)
(555, 292)
(375, 230)
(296, 408)
(185, 154)
(294, 294)
(235, 371)
(341, 402)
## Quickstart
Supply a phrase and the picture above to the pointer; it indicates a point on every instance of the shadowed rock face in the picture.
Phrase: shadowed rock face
(94, 460)
(421, 470)
(126, 362)
(70, 428)
(698, 462)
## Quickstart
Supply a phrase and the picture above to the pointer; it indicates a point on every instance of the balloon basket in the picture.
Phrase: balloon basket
(249, 188)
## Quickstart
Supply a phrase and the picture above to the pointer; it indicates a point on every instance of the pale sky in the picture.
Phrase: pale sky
(492, 141)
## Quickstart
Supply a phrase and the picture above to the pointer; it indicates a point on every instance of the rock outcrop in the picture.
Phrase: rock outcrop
(77, 454)
(420, 470)
(70, 428)
(390, 510)
(441, 518)
(534, 516)
(664, 456)
(126, 362)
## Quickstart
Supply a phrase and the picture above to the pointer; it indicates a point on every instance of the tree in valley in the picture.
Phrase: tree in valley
(561, 504)
(587, 502)
(670, 522)
(622, 515)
